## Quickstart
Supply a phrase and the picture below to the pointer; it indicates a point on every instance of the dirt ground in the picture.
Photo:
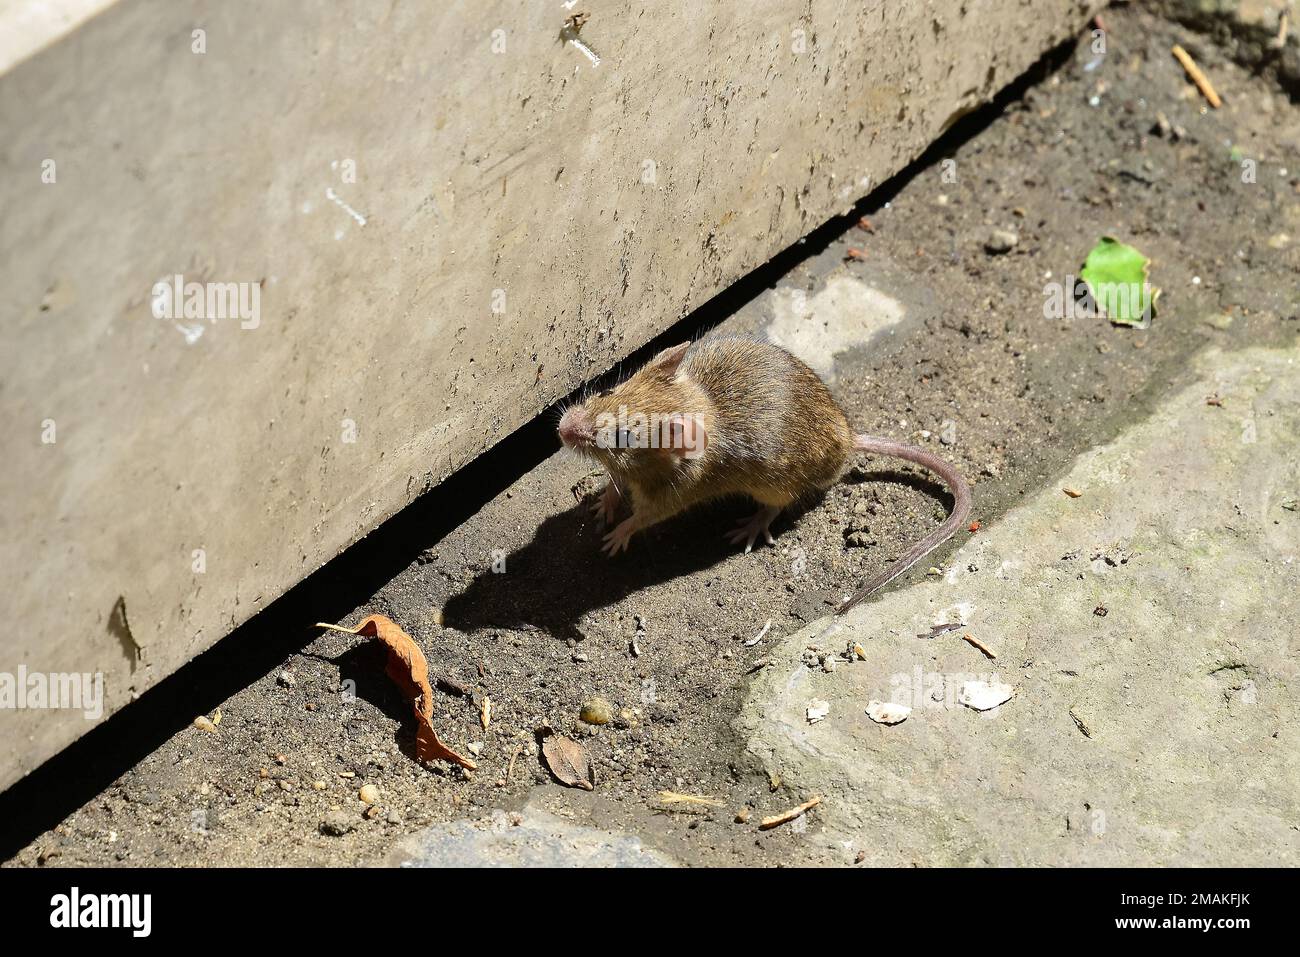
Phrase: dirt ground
(1120, 145)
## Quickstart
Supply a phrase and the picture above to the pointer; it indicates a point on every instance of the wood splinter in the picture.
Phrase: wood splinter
(785, 817)
(1200, 79)
(975, 642)
(672, 797)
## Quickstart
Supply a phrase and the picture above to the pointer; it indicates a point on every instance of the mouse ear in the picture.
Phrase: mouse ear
(686, 437)
(668, 360)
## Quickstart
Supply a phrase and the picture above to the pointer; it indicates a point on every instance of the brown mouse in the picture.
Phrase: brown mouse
(731, 417)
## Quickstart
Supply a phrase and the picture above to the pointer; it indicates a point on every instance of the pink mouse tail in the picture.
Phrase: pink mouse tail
(960, 510)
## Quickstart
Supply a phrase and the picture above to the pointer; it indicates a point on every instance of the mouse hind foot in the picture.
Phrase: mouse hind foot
(749, 529)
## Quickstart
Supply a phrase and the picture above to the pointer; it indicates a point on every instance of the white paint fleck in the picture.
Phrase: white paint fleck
(984, 695)
(587, 51)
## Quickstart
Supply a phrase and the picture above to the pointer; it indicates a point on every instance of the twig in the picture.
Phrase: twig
(672, 797)
(785, 817)
(1200, 79)
(972, 640)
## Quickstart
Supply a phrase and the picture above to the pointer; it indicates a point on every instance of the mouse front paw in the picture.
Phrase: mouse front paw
(616, 541)
(607, 505)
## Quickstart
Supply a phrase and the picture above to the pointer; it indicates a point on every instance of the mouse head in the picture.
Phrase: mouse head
(657, 417)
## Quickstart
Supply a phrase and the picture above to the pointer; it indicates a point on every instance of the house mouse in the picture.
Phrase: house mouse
(731, 416)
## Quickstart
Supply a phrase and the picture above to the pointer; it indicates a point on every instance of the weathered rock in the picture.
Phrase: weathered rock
(1121, 715)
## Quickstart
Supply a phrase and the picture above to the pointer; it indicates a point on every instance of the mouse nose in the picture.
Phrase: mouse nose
(575, 428)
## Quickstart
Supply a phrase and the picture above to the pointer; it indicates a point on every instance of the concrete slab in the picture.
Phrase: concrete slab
(1146, 628)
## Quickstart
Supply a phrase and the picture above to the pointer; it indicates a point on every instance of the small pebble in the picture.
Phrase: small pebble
(369, 793)
(596, 711)
(1000, 241)
(336, 824)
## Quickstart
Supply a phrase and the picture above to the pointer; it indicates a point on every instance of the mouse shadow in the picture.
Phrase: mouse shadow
(562, 575)
(919, 483)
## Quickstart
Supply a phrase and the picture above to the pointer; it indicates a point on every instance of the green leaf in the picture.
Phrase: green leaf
(1116, 275)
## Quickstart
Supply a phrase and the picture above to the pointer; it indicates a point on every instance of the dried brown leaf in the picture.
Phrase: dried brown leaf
(410, 672)
(569, 762)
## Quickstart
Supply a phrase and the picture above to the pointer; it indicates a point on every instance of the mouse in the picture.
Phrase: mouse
(731, 417)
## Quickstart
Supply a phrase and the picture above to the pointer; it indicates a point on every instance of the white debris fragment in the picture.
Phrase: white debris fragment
(983, 696)
(818, 709)
(759, 637)
(886, 712)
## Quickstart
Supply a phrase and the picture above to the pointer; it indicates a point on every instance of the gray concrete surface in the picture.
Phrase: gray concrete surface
(450, 216)
(531, 838)
(1147, 629)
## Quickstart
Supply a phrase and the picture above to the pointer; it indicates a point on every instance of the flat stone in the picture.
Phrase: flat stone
(1187, 685)
(532, 838)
